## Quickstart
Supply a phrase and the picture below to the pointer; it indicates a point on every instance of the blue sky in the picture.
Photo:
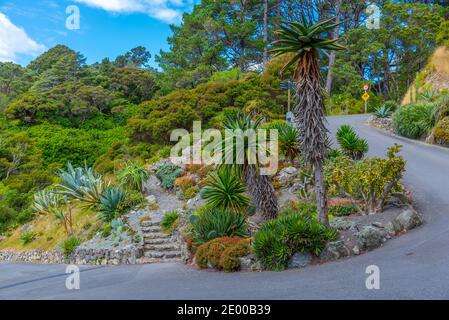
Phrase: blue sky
(108, 28)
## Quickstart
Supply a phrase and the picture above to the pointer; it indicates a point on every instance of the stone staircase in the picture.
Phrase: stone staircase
(158, 246)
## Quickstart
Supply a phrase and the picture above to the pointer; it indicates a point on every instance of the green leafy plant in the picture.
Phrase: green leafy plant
(288, 140)
(170, 221)
(47, 201)
(225, 189)
(168, 174)
(215, 223)
(110, 201)
(277, 240)
(415, 120)
(350, 142)
(69, 245)
(383, 112)
(26, 237)
(133, 175)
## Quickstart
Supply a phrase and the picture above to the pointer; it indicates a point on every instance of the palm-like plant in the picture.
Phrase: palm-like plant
(351, 144)
(288, 140)
(225, 190)
(304, 41)
(259, 187)
(133, 175)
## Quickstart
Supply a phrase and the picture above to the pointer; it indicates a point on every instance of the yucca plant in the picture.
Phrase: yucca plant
(133, 175)
(110, 201)
(259, 187)
(81, 184)
(351, 144)
(288, 140)
(226, 190)
(303, 41)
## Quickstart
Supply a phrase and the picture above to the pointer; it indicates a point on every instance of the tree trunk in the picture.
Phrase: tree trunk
(320, 191)
(265, 32)
(333, 54)
(262, 193)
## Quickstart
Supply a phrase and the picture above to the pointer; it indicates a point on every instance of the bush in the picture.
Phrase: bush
(288, 140)
(441, 131)
(106, 232)
(277, 240)
(191, 192)
(414, 120)
(371, 180)
(133, 175)
(215, 223)
(350, 142)
(222, 253)
(383, 112)
(133, 199)
(185, 182)
(26, 237)
(342, 210)
(69, 245)
(168, 174)
(110, 201)
(225, 190)
(169, 222)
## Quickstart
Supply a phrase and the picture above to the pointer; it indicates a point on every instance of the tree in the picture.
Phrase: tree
(258, 186)
(304, 41)
(135, 58)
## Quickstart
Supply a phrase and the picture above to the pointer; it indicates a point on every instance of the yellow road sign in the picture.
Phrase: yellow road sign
(365, 96)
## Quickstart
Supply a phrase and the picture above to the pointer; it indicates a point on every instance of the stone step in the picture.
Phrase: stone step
(163, 255)
(156, 235)
(146, 260)
(151, 229)
(158, 241)
(150, 223)
(161, 247)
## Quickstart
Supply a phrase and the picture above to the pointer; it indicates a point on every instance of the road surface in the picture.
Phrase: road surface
(413, 266)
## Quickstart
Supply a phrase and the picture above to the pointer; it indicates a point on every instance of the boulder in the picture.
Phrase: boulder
(152, 201)
(335, 250)
(407, 220)
(287, 175)
(370, 237)
(342, 224)
(299, 260)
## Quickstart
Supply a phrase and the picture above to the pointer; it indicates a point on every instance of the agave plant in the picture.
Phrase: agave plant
(383, 112)
(47, 202)
(259, 187)
(133, 175)
(351, 144)
(81, 184)
(225, 190)
(288, 140)
(110, 200)
(303, 41)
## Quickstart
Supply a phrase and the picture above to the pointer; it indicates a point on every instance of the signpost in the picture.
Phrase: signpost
(365, 96)
(289, 85)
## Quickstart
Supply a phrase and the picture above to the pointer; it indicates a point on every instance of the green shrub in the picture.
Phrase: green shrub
(278, 239)
(383, 112)
(169, 221)
(106, 232)
(225, 190)
(215, 223)
(26, 237)
(288, 140)
(415, 120)
(350, 142)
(110, 201)
(391, 105)
(342, 210)
(133, 175)
(441, 131)
(133, 199)
(191, 192)
(69, 245)
(168, 174)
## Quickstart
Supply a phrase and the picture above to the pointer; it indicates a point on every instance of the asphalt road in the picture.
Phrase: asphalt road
(413, 266)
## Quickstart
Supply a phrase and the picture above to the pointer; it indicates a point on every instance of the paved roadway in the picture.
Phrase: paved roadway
(414, 266)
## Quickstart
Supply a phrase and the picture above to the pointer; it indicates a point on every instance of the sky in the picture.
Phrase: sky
(107, 28)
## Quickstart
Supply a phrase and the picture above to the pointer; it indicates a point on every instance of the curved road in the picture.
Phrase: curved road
(413, 266)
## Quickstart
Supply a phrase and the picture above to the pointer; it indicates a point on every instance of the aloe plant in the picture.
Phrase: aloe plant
(110, 200)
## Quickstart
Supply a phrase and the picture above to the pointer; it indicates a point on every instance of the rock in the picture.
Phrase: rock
(299, 260)
(370, 238)
(407, 220)
(195, 202)
(377, 225)
(287, 175)
(246, 263)
(296, 186)
(152, 201)
(342, 224)
(335, 250)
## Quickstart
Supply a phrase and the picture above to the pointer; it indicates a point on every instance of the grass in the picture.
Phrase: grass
(49, 233)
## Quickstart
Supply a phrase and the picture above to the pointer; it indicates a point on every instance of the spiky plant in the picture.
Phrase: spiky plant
(47, 202)
(288, 140)
(133, 175)
(226, 190)
(258, 186)
(110, 200)
(351, 144)
(303, 41)
(383, 112)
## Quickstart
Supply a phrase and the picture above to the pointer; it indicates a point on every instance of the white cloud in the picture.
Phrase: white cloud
(165, 10)
(14, 40)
